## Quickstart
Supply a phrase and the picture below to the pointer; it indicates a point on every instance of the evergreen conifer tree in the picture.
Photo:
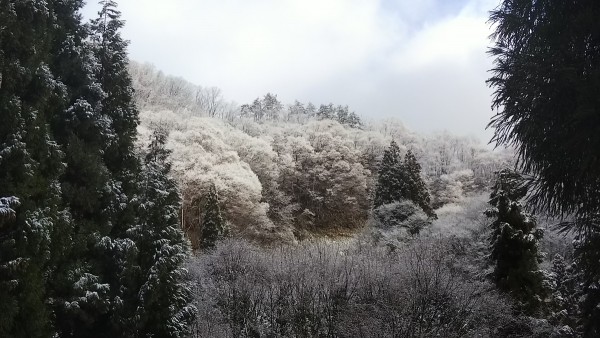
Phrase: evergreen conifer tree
(214, 227)
(401, 180)
(34, 223)
(118, 104)
(164, 297)
(7, 212)
(587, 258)
(70, 257)
(415, 188)
(514, 243)
(390, 182)
(396, 187)
(118, 109)
(564, 281)
(90, 289)
(545, 78)
(354, 120)
(326, 111)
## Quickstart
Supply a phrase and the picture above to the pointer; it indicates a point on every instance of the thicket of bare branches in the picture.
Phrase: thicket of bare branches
(345, 290)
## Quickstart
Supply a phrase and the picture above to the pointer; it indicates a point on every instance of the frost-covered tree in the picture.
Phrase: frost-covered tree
(214, 227)
(34, 226)
(452, 188)
(254, 110)
(296, 111)
(118, 105)
(68, 259)
(587, 258)
(346, 117)
(545, 79)
(71, 259)
(399, 193)
(311, 110)
(342, 114)
(7, 212)
(268, 108)
(209, 100)
(163, 294)
(446, 190)
(96, 128)
(404, 214)
(415, 188)
(271, 106)
(564, 286)
(514, 243)
(390, 182)
(322, 174)
(326, 111)
(204, 153)
(353, 120)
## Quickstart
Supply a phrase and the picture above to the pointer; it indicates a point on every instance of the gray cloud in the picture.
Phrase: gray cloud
(421, 61)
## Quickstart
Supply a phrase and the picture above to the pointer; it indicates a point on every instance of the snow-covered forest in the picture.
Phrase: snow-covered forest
(297, 190)
(134, 203)
(284, 171)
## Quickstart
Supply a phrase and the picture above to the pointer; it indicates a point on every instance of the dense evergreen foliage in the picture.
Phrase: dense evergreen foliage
(400, 181)
(35, 221)
(547, 65)
(546, 80)
(390, 182)
(514, 243)
(416, 189)
(213, 226)
(564, 284)
(587, 250)
(162, 294)
(69, 179)
(269, 108)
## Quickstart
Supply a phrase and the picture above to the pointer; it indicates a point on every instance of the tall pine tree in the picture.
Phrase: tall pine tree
(415, 188)
(545, 77)
(89, 293)
(164, 298)
(401, 180)
(214, 227)
(514, 243)
(390, 182)
(33, 228)
(587, 244)
(118, 105)
(70, 258)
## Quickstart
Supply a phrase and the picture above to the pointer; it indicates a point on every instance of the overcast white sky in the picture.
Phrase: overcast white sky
(422, 61)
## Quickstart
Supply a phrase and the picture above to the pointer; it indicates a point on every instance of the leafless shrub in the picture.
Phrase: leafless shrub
(321, 289)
